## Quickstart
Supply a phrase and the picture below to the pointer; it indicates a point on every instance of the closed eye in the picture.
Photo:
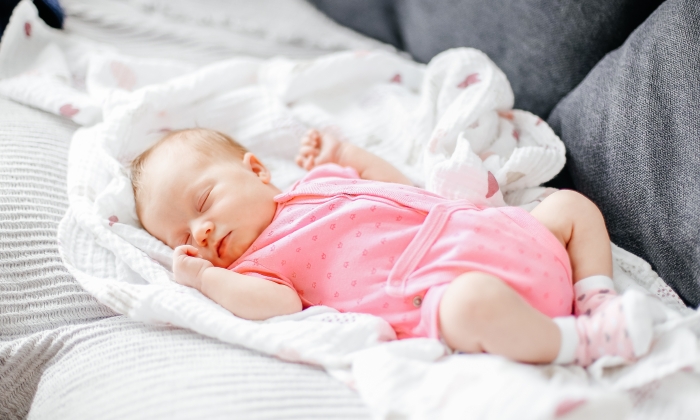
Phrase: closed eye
(186, 240)
(203, 200)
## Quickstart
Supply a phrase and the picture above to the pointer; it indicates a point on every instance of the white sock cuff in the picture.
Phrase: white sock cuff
(569, 339)
(593, 283)
(639, 315)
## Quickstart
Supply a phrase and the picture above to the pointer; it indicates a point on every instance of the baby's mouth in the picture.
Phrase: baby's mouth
(222, 244)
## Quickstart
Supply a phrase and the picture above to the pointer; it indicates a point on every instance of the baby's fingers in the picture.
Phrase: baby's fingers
(306, 157)
(308, 151)
(307, 162)
(185, 250)
(312, 138)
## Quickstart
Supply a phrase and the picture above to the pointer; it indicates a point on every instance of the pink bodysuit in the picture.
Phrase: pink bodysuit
(390, 250)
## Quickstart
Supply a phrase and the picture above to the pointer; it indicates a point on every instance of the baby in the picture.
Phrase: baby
(356, 236)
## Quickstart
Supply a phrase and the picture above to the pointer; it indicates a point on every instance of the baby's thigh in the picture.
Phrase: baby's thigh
(457, 304)
(469, 305)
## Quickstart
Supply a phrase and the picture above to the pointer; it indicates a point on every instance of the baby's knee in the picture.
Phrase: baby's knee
(473, 298)
(468, 307)
(572, 202)
(563, 210)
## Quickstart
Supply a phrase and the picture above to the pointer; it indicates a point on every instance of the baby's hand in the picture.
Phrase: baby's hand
(188, 268)
(317, 149)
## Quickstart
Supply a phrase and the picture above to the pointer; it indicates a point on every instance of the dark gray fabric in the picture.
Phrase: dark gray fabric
(545, 47)
(632, 128)
(374, 18)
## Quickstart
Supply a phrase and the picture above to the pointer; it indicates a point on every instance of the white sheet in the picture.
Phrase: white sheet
(205, 31)
(432, 122)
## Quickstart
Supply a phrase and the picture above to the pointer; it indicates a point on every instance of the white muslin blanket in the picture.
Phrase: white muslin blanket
(449, 126)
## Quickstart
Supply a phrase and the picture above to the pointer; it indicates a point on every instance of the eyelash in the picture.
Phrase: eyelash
(204, 201)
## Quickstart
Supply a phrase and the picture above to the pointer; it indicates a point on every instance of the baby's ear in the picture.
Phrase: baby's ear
(251, 161)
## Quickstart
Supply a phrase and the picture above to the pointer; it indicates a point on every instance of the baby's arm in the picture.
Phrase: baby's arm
(245, 296)
(317, 149)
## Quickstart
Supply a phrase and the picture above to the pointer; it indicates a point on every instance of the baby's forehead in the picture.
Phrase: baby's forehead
(165, 174)
(177, 159)
(176, 145)
(166, 163)
(172, 166)
(203, 148)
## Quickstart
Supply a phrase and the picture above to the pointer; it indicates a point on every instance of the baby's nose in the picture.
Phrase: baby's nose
(201, 234)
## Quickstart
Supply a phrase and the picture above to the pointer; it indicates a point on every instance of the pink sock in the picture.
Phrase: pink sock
(604, 333)
(618, 326)
(592, 292)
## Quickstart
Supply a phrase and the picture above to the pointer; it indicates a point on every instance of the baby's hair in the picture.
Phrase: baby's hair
(209, 143)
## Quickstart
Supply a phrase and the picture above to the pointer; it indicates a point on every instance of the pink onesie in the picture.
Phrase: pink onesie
(390, 250)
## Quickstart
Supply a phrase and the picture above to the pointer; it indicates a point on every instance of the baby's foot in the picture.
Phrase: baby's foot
(317, 148)
(603, 333)
(619, 326)
(591, 293)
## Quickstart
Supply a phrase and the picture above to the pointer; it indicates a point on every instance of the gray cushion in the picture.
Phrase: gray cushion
(545, 47)
(632, 129)
(375, 18)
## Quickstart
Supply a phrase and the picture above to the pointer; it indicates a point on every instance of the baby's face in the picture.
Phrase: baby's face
(218, 205)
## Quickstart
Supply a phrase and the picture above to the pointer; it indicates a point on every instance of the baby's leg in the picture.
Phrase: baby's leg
(603, 328)
(479, 313)
(580, 227)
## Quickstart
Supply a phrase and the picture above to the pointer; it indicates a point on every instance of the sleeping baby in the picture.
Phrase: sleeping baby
(355, 235)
